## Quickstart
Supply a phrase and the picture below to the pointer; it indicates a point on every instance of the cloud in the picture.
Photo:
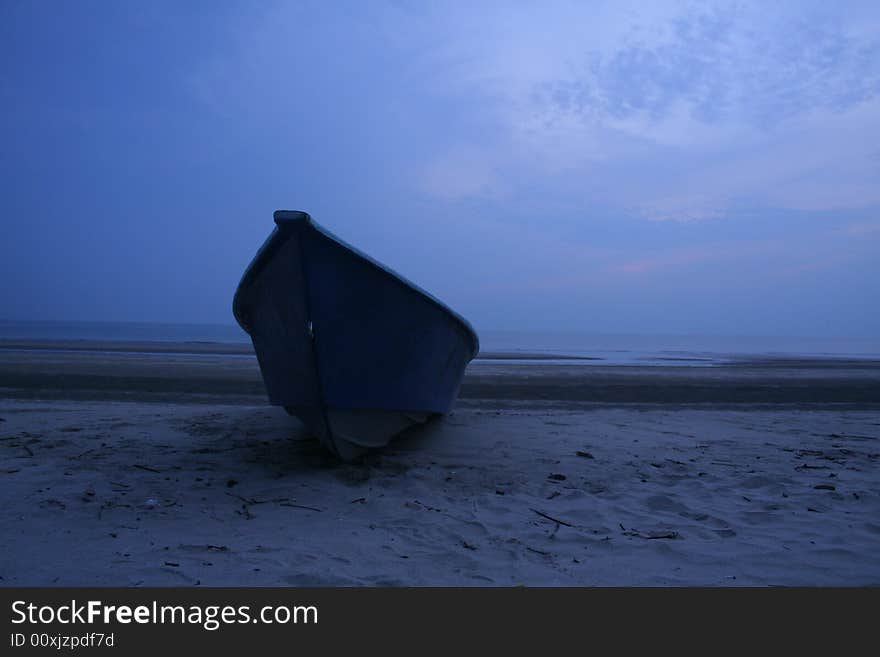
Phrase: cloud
(863, 228)
(726, 103)
(692, 207)
(666, 110)
(462, 174)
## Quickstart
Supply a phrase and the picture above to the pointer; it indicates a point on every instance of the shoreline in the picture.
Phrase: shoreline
(125, 372)
(209, 347)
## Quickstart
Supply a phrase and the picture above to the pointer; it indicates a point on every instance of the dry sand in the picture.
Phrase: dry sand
(131, 469)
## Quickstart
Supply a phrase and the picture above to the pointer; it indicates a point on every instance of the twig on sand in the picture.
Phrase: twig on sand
(280, 501)
(246, 500)
(300, 506)
(650, 535)
(147, 468)
(551, 518)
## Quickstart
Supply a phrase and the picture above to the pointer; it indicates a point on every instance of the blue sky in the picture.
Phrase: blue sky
(601, 167)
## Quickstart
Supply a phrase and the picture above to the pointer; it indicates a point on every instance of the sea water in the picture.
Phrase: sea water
(593, 348)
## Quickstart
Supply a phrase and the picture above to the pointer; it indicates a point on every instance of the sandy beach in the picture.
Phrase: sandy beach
(145, 464)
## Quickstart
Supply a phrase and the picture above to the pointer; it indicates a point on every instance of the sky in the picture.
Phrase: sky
(619, 167)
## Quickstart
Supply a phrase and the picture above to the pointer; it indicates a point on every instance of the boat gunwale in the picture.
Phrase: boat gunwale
(285, 221)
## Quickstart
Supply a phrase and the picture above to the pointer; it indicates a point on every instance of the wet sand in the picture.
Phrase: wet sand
(228, 373)
(126, 468)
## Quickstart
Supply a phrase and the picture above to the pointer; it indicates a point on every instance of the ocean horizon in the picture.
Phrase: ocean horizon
(597, 348)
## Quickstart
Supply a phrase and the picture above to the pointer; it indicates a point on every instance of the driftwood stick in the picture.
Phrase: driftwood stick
(246, 500)
(556, 520)
(301, 506)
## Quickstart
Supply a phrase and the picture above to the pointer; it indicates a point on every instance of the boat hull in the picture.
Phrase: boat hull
(353, 350)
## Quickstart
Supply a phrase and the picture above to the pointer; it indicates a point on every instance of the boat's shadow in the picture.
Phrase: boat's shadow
(279, 442)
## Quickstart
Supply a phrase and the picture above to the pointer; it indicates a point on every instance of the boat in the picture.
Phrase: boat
(353, 350)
